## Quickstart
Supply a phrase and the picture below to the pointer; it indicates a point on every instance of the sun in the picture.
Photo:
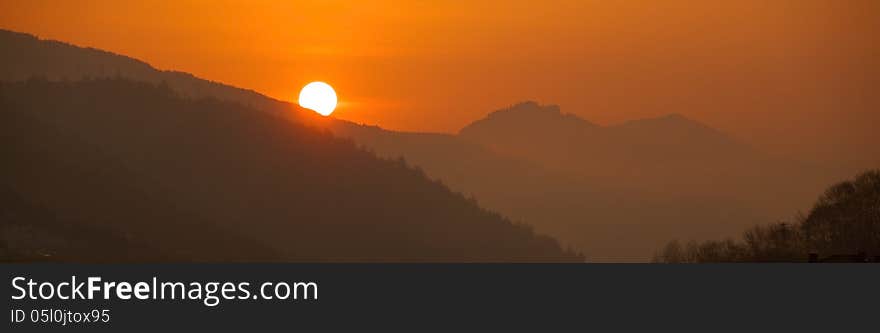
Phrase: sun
(318, 96)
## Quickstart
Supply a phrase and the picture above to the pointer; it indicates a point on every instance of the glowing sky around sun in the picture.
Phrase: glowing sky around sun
(773, 73)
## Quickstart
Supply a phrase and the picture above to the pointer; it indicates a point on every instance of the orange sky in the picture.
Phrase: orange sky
(788, 75)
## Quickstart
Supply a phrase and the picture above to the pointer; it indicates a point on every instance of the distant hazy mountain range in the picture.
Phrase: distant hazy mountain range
(614, 192)
(670, 155)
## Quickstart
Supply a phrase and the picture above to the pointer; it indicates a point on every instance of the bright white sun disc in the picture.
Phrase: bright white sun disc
(318, 96)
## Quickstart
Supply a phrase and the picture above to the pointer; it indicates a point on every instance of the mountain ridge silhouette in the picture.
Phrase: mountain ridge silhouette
(165, 178)
(623, 205)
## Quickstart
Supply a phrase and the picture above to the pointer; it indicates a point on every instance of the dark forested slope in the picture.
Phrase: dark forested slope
(134, 171)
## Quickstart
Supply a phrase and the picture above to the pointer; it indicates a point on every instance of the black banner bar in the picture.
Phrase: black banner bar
(455, 297)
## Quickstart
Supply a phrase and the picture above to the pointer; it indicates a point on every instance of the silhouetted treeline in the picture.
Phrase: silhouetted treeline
(112, 170)
(27, 56)
(845, 221)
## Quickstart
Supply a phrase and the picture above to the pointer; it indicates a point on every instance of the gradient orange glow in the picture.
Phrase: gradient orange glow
(792, 76)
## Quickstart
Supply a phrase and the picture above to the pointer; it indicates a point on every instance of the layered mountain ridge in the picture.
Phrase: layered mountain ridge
(614, 192)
